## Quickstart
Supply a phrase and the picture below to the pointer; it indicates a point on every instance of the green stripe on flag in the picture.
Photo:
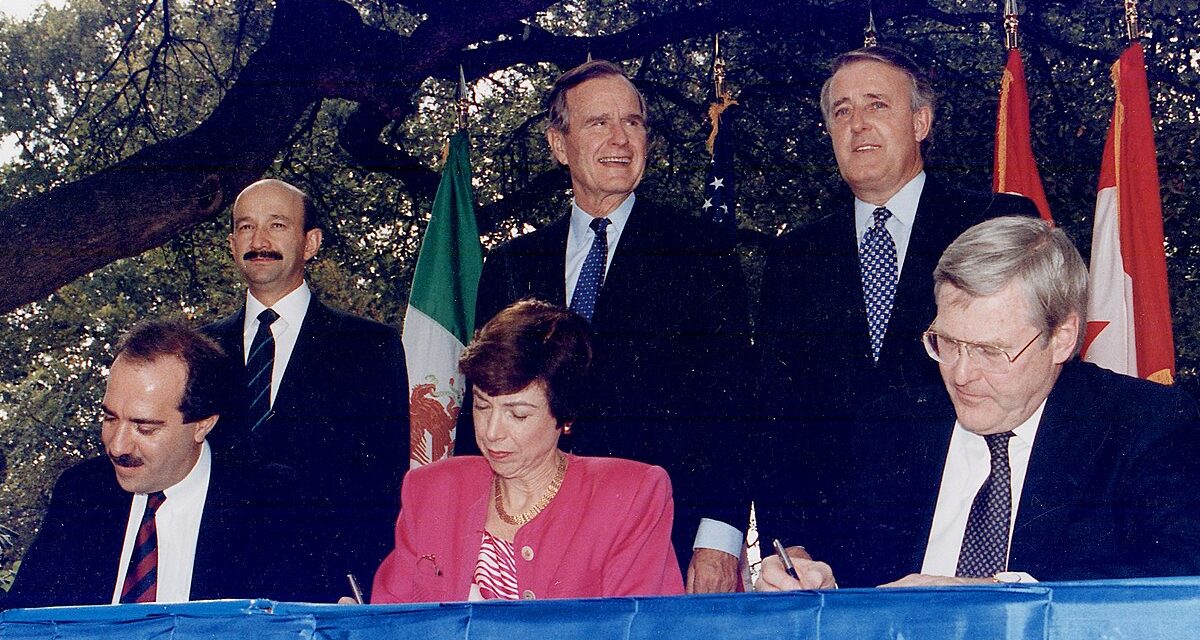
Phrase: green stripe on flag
(447, 274)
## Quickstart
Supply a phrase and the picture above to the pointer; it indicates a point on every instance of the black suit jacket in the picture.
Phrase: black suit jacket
(1109, 491)
(340, 422)
(668, 376)
(816, 368)
(241, 549)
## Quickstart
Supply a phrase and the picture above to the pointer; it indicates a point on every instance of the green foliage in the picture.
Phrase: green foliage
(76, 99)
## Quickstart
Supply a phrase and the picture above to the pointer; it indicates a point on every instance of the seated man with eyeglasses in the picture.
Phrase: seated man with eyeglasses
(1029, 464)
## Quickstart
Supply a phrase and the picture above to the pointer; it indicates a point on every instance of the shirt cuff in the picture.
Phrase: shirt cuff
(714, 534)
(1013, 577)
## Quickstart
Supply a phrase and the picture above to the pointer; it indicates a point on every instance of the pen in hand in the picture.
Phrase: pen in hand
(787, 562)
(357, 590)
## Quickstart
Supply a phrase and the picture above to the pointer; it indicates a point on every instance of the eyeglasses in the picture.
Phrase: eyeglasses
(988, 358)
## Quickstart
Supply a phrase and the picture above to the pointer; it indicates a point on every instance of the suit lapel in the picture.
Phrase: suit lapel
(626, 273)
(548, 280)
(290, 397)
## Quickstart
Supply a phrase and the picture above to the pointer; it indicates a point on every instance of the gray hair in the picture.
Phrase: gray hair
(921, 91)
(990, 255)
(556, 102)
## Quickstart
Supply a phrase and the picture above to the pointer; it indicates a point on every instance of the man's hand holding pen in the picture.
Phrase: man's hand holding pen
(809, 574)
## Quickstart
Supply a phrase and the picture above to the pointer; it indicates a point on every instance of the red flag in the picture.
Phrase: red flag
(1015, 169)
(1129, 328)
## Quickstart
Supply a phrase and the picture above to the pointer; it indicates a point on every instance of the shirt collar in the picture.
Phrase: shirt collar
(580, 219)
(195, 483)
(290, 307)
(903, 205)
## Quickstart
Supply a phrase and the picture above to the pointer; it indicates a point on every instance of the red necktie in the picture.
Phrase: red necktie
(141, 578)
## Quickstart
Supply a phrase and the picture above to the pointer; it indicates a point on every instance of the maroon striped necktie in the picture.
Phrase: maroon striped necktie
(141, 578)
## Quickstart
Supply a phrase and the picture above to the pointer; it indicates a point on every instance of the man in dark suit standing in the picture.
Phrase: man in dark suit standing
(325, 391)
(175, 522)
(845, 298)
(666, 299)
(1037, 466)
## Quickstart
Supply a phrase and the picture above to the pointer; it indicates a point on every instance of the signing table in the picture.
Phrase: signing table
(1145, 609)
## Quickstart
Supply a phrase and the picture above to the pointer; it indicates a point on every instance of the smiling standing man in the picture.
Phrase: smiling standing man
(666, 299)
(845, 298)
(325, 392)
(1025, 464)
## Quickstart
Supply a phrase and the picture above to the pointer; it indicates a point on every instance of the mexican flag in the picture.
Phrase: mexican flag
(1129, 309)
(441, 309)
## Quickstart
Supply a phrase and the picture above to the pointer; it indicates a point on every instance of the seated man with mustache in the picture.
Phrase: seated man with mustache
(160, 518)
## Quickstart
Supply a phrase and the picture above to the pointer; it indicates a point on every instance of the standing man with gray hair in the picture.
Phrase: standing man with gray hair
(845, 298)
(665, 296)
(1028, 464)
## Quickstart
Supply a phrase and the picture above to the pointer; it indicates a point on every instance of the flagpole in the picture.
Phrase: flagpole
(1010, 24)
(718, 69)
(869, 38)
(1131, 20)
(463, 106)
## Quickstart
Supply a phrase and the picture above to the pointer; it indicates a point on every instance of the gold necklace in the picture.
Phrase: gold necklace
(547, 496)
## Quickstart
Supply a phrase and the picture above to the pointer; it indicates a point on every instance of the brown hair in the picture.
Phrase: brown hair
(532, 341)
(208, 370)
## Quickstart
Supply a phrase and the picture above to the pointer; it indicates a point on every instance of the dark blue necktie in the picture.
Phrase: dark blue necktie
(591, 277)
(877, 258)
(259, 366)
(984, 551)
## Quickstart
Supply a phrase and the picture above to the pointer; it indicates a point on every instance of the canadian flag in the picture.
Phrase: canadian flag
(1129, 309)
(1015, 168)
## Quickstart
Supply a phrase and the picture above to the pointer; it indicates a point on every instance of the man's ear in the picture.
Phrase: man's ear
(558, 145)
(1064, 338)
(922, 121)
(312, 243)
(203, 427)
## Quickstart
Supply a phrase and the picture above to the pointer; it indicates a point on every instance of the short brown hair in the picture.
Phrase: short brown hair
(208, 370)
(556, 102)
(532, 341)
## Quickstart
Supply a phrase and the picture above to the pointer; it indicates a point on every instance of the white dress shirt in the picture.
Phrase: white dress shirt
(286, 328)
(177, 523)
(580, 237)
(903, 206)
(968, 464)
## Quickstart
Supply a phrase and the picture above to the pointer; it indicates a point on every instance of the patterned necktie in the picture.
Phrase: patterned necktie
(141, 578)
(259, 367)
(877, 259)
(591, 276)
(984, 550)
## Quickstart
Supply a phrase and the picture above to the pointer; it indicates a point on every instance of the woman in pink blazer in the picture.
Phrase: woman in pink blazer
(526, 520)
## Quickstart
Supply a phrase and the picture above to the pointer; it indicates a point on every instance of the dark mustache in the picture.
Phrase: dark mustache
(126, 460)
(273, 255)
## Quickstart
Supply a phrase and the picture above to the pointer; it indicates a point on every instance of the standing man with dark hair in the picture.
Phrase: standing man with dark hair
(845, 298)
(176, 522)
(1025, 463)
(667, 301)
(325, 391)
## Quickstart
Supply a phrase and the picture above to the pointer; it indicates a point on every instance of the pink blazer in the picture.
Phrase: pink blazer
(606, 533)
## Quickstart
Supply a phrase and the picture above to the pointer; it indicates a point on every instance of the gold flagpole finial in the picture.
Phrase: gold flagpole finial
(462, 98)
(869, 39)
(718, 69)
(1010, 24)
(1131, 20)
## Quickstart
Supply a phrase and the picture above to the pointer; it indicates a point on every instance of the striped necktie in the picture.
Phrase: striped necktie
(141, 578)
(259, 367)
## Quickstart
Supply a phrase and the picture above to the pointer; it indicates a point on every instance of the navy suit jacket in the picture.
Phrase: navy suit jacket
(340, 422)
(671, 342)
(1109, 491)
(240, 552)
(816, 368)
